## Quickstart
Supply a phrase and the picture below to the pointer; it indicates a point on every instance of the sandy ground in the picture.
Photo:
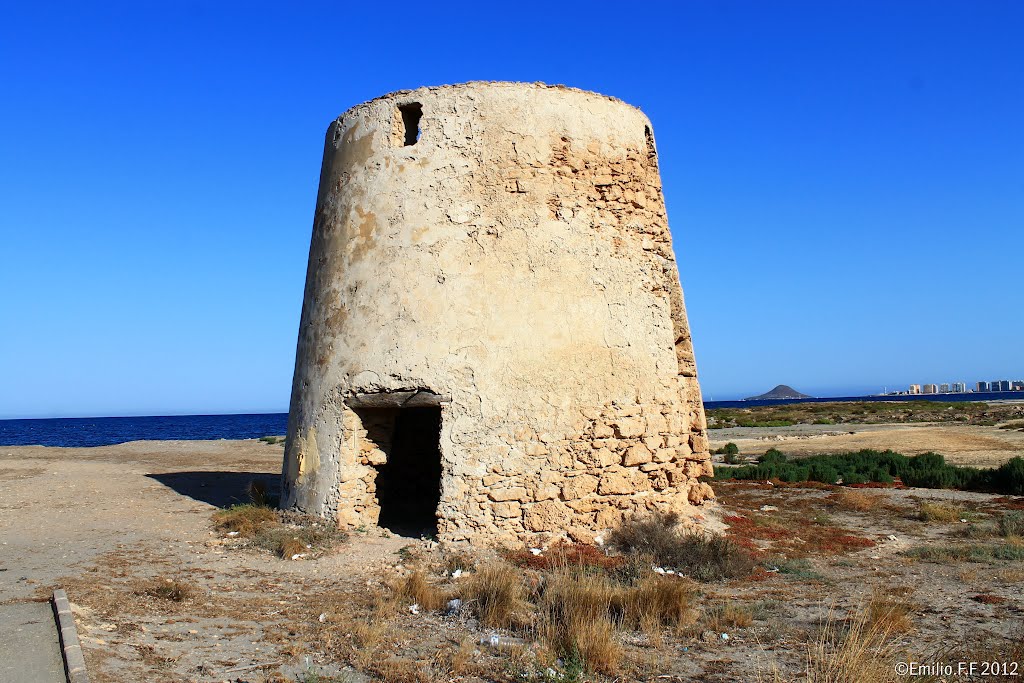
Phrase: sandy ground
(102, 521)
(961, 444)
(107, 518)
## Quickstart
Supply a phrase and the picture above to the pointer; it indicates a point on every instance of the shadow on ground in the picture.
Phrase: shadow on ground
(221, 489)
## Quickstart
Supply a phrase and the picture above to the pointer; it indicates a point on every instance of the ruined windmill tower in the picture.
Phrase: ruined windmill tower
(493, 339)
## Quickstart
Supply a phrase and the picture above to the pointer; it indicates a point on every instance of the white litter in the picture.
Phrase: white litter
(457, 573)
(768, 508)
(599, 540)
(415, 609)
(322, 618)
(725, 636)
(535, 551)
(232, 533)
(892, 537)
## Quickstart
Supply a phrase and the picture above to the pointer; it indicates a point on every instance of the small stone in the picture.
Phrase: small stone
(637, 455)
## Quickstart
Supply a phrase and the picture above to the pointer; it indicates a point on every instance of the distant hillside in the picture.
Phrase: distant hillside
(781, 391)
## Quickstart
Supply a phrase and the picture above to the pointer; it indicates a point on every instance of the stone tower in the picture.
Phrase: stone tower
(493, 342)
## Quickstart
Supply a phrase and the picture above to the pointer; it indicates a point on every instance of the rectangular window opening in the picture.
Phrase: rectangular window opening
(411, 115)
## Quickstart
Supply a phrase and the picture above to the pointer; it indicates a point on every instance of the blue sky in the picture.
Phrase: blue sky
(845, 181)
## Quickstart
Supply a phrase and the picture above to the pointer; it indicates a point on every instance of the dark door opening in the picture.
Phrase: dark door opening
(409, 484)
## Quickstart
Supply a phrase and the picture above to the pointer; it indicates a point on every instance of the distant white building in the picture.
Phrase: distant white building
(929, 389)
(959, 388)
(1018, 385)
(914, 389)
(944, 388)
(982, 386)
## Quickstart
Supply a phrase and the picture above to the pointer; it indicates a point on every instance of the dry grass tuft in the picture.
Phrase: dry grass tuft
(849, 651)
(939, 512)
(729, 615)
(856, 500)
(166, 589)
(889, 613)
(862, 651)
(263, 528)
(576, 619)
(247, 519)
(287, 548)
(497, 594)
(415, 588)
(576, 609)
(658, 601)
(259, 494)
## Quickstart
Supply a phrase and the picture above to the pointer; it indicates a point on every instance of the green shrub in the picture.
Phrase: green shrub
(1012, 524)
(968, 553)
(1009, 477)
(928, 470)
(771, 456)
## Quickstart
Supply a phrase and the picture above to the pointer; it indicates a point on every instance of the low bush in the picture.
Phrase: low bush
(1012, 524)
(705, 557)
(797, 567)
(765, 423)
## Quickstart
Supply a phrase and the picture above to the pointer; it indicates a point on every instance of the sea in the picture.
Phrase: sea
(107, 431)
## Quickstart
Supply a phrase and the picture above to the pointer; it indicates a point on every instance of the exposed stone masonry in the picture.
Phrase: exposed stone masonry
(515, 260)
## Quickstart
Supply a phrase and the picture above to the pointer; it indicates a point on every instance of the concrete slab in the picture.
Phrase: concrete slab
(29, 644)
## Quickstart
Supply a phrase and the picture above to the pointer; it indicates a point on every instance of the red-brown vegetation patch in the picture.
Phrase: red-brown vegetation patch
(988, 599)
(564, 555)
(1008, 503)
(797, 541)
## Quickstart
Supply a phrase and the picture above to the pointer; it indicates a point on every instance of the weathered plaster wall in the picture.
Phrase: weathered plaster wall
(517, 259)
